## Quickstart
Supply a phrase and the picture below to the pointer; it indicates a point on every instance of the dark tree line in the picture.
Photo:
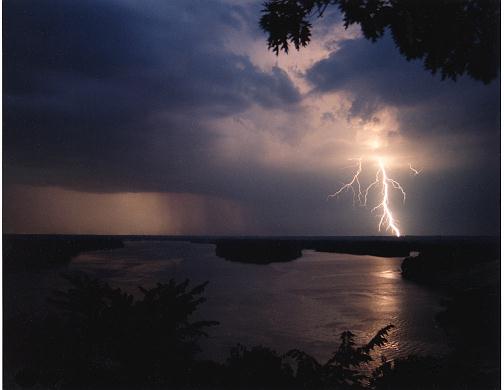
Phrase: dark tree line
(453, 37)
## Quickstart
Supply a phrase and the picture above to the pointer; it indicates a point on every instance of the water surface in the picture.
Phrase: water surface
(303, 304)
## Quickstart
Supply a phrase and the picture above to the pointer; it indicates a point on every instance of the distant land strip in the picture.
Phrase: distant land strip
(56, 249)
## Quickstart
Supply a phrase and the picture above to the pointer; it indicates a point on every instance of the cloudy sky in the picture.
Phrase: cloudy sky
(171, 117)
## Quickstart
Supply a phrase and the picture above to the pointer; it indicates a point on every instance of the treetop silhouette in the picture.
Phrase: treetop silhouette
(453, 37)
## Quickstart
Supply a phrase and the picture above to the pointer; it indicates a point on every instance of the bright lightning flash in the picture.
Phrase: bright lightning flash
(387, 219)
(385, 183)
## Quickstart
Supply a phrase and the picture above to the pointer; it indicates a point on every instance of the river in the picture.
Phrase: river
(304, 304)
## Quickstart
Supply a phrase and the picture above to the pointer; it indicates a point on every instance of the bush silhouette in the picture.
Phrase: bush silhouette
(343, 369)
(102, 335)
(261, 367)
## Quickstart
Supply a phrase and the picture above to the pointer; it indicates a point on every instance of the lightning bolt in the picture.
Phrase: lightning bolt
(386, 184)
(387, 219)
(357, 195)
(415, 171)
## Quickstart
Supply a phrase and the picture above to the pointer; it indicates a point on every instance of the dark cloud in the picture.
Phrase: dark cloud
(377, 75)
(90, 85)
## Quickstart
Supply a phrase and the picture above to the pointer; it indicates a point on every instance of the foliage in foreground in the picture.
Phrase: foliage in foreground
(451, 37)
(101, 337)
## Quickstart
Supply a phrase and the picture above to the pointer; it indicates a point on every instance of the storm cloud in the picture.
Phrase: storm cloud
(92, 89)
(180, 101)
(376, 75)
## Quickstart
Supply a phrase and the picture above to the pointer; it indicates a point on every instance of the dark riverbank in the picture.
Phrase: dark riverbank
(469, 276)
(453, 251)
(22, 251)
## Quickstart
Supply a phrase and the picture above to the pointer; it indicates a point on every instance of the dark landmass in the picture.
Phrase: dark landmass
(50, 249)
(469, 277)
(449, 264)
(258, 251)
(268, 250)
(21, 251)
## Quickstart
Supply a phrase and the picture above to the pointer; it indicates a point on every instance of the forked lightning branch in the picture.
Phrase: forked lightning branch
(383, 185)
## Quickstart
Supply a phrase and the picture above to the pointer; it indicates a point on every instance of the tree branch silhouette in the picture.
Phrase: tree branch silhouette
(450, 37)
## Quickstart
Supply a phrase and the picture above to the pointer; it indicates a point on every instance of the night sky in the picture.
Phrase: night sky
(171, 117)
